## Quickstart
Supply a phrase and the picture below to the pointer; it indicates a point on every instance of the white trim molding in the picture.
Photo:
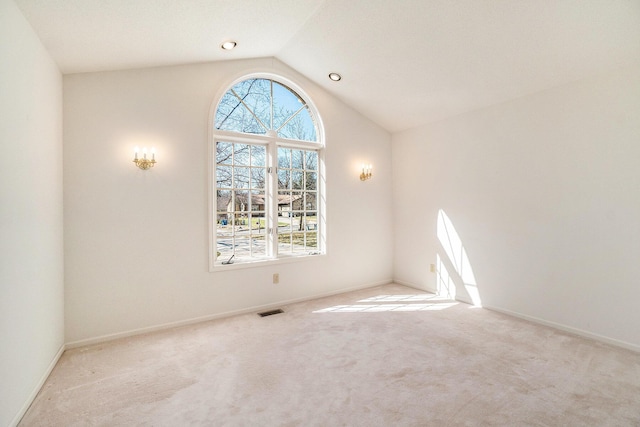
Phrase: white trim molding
(254, 309)
(568, 329)
(27, 404)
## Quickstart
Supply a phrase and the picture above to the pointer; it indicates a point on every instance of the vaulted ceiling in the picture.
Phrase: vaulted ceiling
(404, 62)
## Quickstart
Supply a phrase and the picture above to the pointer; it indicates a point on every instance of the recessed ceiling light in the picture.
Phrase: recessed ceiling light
(335, 77)
(228, 45)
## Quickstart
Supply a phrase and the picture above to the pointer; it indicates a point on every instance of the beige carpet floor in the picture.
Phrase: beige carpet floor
(385, 356)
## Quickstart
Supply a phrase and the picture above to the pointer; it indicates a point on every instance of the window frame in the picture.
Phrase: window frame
(272, 142)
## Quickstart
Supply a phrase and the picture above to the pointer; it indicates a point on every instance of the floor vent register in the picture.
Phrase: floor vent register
(270, 312)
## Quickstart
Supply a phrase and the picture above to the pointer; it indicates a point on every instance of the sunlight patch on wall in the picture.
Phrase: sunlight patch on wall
(457, 255)
(445, 286)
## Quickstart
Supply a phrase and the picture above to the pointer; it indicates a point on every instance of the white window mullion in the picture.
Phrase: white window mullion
(272, 194)
(271, 103)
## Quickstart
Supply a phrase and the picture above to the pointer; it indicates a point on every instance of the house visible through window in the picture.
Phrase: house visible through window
(267, 175)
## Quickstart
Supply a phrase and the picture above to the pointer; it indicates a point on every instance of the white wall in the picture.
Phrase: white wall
(136, 242)
(544, 192)
(31, 246)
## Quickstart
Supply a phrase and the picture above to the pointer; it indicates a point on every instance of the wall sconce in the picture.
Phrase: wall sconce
(366, 172)
(144, 163)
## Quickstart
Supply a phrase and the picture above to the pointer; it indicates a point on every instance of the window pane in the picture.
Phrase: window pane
(284, 224)
(224, 248)
(256, 95)
(223, 176)
(312, 221)
(237, 118)
(312, 240)
(242, 246)
(258, 222)
(311, 181)
(284, 158)
(224, 239)
(243, 88)
(258, 246)
(258, 200)
(258, 178)
(303, 223)
(223, 199)
(297, 242)
(241, 201)
(297, 180)
(224, 153)
(241, 155)
(310, 201)
(285, 104)
(284, 201)
(241, 178)
(297, 222)
(284, 179)
(307, 126)
(227, 105)
(299, 201)
(254, 224)
(258, 155)
(284, 243)
(311, 161)
(297, 159)
(241, 223)
(300, 127)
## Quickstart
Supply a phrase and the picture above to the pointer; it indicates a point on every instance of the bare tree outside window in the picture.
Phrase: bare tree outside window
(243, 198)
(259, 105)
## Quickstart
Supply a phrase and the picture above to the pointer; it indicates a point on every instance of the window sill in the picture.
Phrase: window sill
(219, 266)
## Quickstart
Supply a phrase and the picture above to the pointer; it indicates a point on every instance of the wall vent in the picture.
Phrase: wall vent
(270, 313)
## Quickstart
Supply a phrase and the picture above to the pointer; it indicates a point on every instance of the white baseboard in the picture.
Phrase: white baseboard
(558, 326)
(139, 331)
(109, 337)
(414, 286)
(569, 329)
(36, 389)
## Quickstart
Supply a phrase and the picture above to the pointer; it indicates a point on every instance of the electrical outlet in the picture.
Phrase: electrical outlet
(276, 278)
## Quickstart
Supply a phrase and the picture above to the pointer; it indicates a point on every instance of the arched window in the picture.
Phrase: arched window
(258, 106)
(267, 175)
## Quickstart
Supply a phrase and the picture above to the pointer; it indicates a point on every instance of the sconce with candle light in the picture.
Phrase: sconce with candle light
(366, 172)
(144, 163)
